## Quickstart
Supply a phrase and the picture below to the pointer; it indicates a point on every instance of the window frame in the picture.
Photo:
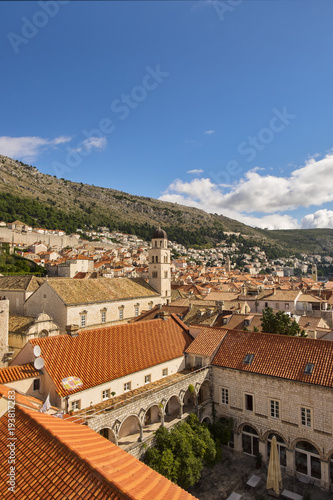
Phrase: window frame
(76, 405)
(306, 416)
(148, 378)
(275, 409)
(36, 382)
(127, 386)
(103, 316)
(83, 320)
(224, 396)
(164, 372)
(246, 396)
(107, 395)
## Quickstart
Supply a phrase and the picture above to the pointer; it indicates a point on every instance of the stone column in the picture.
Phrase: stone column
(162, 417)
(325, 475)
(263, 451)
(290, 458)
(181, 410)
(141, 434)
(238, 445)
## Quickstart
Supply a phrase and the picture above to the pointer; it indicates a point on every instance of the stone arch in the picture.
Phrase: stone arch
(189, 401)
(108, 434)
(172, 408)
(243, 424)
(312, 443)
(130, 426)
(152, 414)
(204, 392)
(329, 455)
(206, 420)
(277, 433)
(43, 333)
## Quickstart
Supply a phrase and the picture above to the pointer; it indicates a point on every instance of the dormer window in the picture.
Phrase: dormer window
(248, 359)
(308, 368)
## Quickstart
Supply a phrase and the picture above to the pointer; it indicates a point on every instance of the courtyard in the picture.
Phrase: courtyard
(232, 473)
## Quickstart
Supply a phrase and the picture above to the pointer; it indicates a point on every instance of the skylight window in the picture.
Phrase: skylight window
(248, 359)
(308, 368)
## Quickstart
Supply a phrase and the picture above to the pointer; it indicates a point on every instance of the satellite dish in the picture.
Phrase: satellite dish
(39, 363)
(37, 351)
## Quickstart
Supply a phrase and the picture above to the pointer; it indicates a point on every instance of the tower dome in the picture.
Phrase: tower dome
(159, 234)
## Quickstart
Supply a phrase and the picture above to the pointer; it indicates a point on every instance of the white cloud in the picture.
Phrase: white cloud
(209, 132)
(195, 171)
(91, 143)
(62, 139)
(255, 192)
(269, 195)
(321, 218)
(202, 193)
(28, 147)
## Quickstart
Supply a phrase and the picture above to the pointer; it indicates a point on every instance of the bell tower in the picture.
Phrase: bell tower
(159, 265)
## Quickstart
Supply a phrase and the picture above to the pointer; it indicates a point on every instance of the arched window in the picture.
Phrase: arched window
(156, 260)
(152, 259)
(250, 440)
(155, 243)
(165, 259)
(307, 459)
(43, 333)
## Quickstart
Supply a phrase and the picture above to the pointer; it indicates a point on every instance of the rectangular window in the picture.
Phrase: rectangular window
(248, 402)
(154, 274)
(127, 386)
(277, 305)
(103, 317)
(150, 306)
(164, 372)
(286, 306)
(121, 313)
(36, 386)
(165, 274)
(224, 396)
(275, 408)
(83, 320)
(75, 405)
(306, 417)
(105, 394)
(136, 311)
(147, 379)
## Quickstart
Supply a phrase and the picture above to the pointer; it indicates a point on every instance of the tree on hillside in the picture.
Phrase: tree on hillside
(280, 323)
(180, 454)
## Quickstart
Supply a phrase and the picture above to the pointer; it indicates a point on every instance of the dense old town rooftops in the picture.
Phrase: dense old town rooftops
(134, 347)
(56, 458)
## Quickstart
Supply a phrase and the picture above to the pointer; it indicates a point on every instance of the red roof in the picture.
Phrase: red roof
(18, 372)
(103, 354)
(57, 459)
(279, 356)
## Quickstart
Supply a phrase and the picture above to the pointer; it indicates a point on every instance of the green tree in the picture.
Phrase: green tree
(181, 453)
(280, 323)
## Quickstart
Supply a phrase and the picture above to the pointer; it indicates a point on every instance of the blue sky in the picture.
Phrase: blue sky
(223, 105)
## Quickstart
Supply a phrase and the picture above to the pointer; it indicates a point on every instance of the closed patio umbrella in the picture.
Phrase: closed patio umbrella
(274, 478)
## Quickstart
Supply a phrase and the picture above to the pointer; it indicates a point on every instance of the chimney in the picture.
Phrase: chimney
(159, 306)
(220, 304)
(73, 330)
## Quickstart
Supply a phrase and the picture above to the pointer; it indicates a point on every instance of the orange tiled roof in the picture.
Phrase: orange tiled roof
(279, 356)
(207, 341)
(73, 461)
(103, 354)
(18, 372)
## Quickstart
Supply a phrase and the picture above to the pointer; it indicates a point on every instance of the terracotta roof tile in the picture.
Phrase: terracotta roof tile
(74, 462)
(27, 283)
(100, 289)
(279, 356)
(114, 351)
(207, 341)
(18, 372)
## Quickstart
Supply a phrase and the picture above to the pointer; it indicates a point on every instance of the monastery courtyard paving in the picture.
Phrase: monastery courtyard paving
(232, 473)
